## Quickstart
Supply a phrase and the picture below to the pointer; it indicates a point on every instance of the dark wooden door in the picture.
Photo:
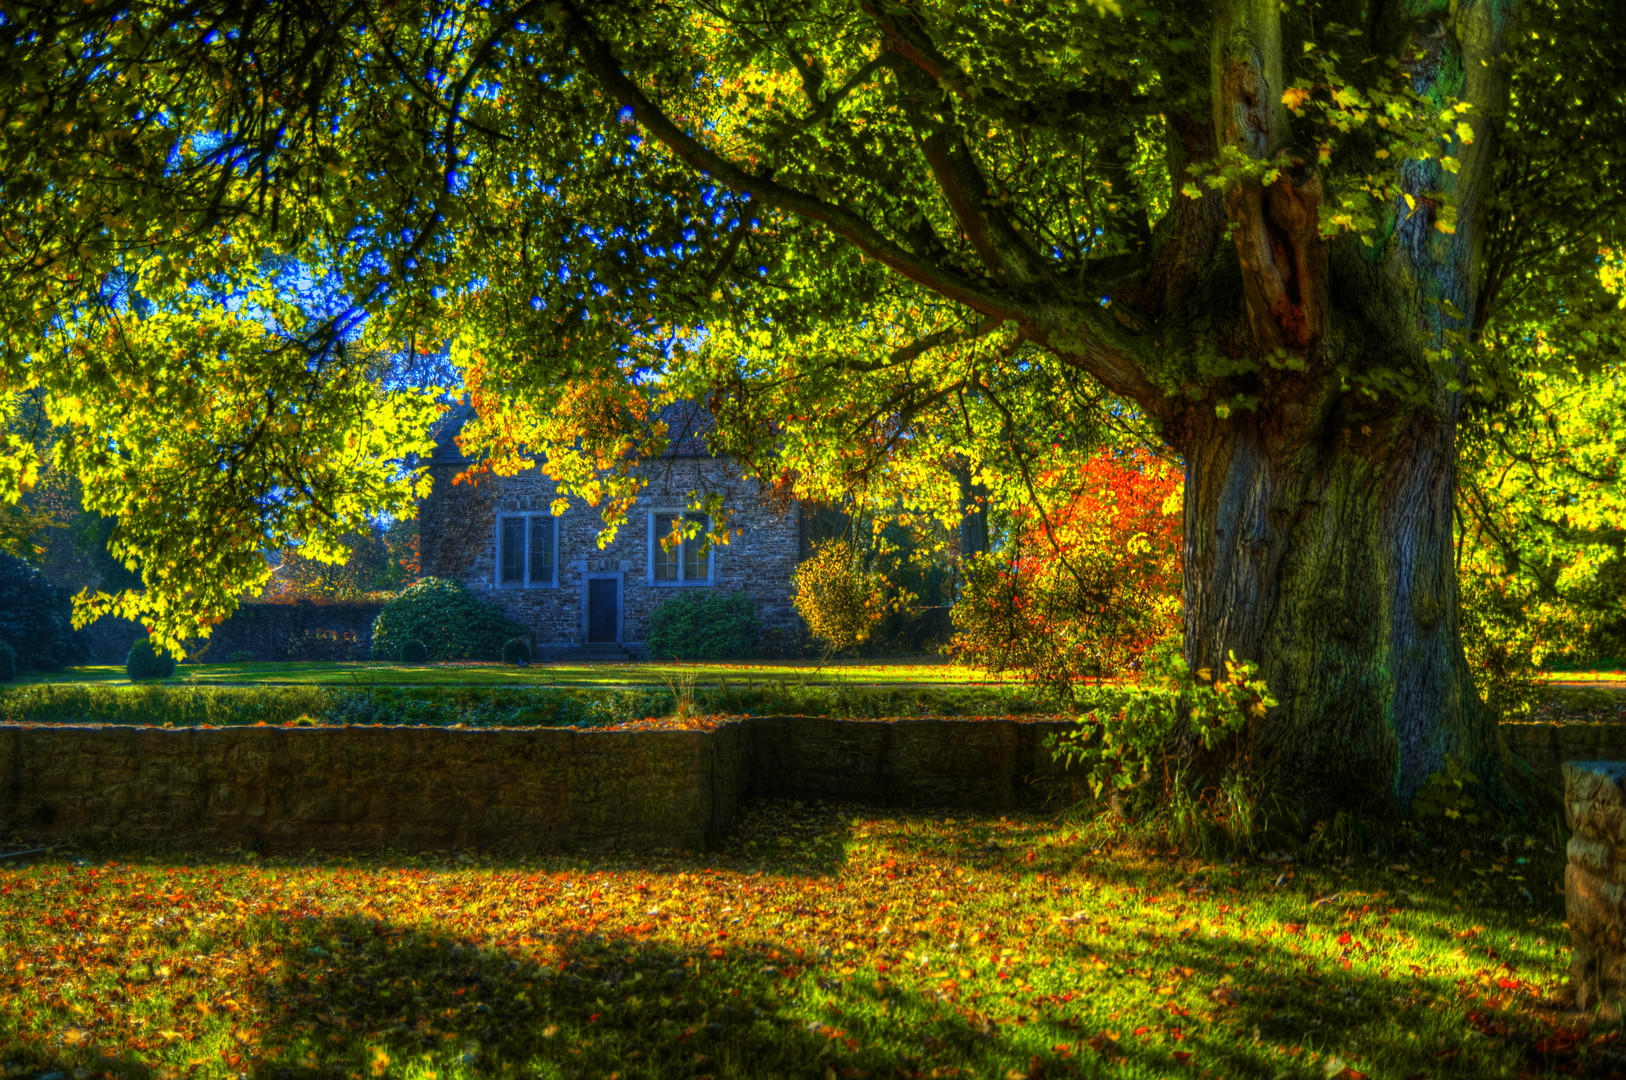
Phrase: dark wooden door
(601, 596)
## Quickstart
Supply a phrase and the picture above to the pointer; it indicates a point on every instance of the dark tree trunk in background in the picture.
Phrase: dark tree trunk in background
(973, 512)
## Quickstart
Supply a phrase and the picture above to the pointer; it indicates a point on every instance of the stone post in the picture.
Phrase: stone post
(1595, 809)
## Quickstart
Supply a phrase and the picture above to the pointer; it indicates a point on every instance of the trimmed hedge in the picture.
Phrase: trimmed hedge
(705, 626)
(220, 706)
(145, 662)
(8, 663)
(516, 651)
(452, 623)
(414, 652)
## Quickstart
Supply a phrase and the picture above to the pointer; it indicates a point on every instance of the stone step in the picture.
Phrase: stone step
(599, 651)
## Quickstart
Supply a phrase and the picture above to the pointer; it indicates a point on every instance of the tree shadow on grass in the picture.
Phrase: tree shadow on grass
(358, 997)
(320, 996)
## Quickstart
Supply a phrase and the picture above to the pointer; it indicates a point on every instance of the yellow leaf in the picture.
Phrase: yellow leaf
(1445, 227)
(1464, 132)
(1294, 97)
(381, 1061)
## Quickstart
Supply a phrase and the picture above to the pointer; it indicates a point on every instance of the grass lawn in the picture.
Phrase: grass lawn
(918, 672)
(823, 942)
(902, 673)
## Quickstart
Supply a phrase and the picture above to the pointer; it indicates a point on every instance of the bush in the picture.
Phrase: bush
(705, 626)
(241, 656)
(414, 652)
(516, 650)
(1508, 630)
(840, 600)
(452, 623)
(157, 704)
(147, 662)
(1085, 595)
(36, 617)
(8, 663)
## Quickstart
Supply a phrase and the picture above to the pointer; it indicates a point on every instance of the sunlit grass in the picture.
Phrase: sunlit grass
(367, 672)
(821, 942)
(1614, 676)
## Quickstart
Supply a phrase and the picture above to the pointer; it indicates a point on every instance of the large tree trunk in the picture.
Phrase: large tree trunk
(1318, 529)
(1328, 560)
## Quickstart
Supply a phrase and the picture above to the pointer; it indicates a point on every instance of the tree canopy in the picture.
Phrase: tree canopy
(1298, 243)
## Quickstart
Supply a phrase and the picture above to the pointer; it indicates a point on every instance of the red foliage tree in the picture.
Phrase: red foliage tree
(1088, 579)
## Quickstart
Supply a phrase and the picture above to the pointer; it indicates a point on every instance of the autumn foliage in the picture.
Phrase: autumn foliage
(841, 600)
(1083, 587)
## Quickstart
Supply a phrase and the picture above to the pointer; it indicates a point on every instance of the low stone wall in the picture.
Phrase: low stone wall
(906, 764)
(1547, 746)
(292, 789)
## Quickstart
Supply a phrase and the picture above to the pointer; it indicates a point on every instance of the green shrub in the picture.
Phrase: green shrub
(841, 601)
(705, 626)
(452, 623)
(8, 663)
(414, 652)
(241, 656)
(1508, 630)
(516, 651)
(146, 662)
(157, 704)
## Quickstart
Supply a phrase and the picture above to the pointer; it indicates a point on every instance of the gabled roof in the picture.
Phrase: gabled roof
(445, 433)
(688, 424)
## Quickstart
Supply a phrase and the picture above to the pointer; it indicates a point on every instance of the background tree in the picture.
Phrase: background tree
(371, 568)
(1279, 237)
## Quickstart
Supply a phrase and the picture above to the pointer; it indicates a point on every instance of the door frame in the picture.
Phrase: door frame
(620, 579)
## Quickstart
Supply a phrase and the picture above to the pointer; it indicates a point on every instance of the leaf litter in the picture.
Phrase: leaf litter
(823, 941)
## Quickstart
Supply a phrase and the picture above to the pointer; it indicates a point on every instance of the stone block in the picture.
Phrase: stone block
(1595, 881)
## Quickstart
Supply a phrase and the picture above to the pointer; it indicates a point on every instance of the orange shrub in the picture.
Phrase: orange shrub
(1085, 589)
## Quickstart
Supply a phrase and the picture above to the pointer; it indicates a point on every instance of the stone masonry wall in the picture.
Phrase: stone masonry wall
(294, 789)
(1547, 746)
(458, 527)
(300, 788)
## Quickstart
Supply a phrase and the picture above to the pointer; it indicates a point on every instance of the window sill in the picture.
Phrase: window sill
(521, 586)
(704, 583)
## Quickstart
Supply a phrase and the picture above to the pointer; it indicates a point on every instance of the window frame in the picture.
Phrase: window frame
(525, 582)
(653, 543)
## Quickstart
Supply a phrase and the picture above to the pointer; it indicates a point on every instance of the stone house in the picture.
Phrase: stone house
(548, 573)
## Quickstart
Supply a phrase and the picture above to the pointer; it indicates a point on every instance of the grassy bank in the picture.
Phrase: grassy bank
(821, 942)
(188, 706)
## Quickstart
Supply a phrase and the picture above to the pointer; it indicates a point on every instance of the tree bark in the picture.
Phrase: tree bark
(1329, 562)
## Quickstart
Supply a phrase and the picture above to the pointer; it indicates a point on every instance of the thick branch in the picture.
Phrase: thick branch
(601, 63)
(1277, 228)
(988, 227)
(1081, 330)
